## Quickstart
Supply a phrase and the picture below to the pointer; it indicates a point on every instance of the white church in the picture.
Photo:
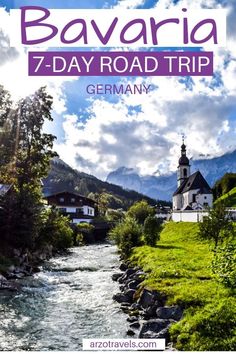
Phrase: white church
(193, 196)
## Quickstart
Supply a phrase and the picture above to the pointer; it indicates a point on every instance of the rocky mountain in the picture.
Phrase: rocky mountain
(62, 177)
(162, 187)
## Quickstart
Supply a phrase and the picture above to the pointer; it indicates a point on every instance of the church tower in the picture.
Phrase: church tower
(184, 167)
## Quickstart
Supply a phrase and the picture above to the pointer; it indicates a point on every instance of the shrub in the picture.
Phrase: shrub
(224, 265)
(21, 216)
(140, 211)
(56, 230)
(115, 234)
(151, 230)
(79, 241)
(85, 227)
(211, 328)
(114, 215)
(87, 231)
(126, 234)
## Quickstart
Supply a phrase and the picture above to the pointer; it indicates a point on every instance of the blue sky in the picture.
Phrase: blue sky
(99, 133)
(57, 4)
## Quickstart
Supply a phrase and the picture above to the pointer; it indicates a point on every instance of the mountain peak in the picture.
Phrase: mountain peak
(125, 170)
(163, 186)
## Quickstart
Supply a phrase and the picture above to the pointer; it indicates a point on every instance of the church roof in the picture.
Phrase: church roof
(183, 160)
(179, 190)
(195, 181)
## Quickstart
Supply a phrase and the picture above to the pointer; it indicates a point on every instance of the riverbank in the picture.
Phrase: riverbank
(22, 263)
(179, 268)
(146, 310)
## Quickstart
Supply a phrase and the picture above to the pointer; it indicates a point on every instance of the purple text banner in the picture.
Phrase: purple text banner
(185, 63)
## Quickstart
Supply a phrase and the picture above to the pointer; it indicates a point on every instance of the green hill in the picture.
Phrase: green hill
(225, 190)
(180, 267)
(224, 185)
(229, 198)
(62, 177)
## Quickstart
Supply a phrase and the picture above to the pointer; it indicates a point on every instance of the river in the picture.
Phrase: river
(70, 299)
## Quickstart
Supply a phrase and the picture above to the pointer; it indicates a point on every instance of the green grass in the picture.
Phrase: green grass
(229, 198)
(180, 267)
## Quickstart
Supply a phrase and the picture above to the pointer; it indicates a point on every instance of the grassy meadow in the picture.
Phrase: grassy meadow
(180, 267)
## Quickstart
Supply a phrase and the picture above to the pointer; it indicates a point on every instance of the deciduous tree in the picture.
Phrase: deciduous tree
(217, 226)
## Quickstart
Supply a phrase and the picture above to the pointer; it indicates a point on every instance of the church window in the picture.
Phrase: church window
(185, 172)
(194, 198)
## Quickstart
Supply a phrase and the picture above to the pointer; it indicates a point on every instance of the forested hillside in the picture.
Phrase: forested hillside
(225, 189)
(62, 177)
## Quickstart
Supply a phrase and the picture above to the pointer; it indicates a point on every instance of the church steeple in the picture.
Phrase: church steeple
(184, 167)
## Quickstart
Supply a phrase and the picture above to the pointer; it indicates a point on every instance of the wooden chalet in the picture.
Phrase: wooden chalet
(77, 207)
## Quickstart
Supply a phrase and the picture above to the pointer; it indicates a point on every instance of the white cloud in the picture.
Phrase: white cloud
(148, 138)
(129, 4)
(14, 71)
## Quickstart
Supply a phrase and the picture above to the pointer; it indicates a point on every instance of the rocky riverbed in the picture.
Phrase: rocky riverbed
(24, 264)
(147, 313)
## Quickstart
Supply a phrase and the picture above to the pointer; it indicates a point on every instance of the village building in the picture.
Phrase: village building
(163, 212)
(77, 207)
(193, 192)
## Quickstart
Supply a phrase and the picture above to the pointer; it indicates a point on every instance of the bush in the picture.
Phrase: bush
(114, 215)
(56, 230)
(85, 227)
(224, 265)
(127, 234)
(140, 211)
(87, 231)
(209, 329)
(79, 241)
(21, 217)
(151, 230)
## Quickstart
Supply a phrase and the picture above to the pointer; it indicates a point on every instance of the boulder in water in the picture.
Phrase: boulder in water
(116, 276)
(119, 297)
(155, 328)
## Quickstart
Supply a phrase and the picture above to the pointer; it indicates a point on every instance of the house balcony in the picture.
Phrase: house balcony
(76, 215)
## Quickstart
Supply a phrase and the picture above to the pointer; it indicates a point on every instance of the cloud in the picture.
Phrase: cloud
(143, 131)
(149, 139)
(7, 54)
(14, 71)
(129, 4)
